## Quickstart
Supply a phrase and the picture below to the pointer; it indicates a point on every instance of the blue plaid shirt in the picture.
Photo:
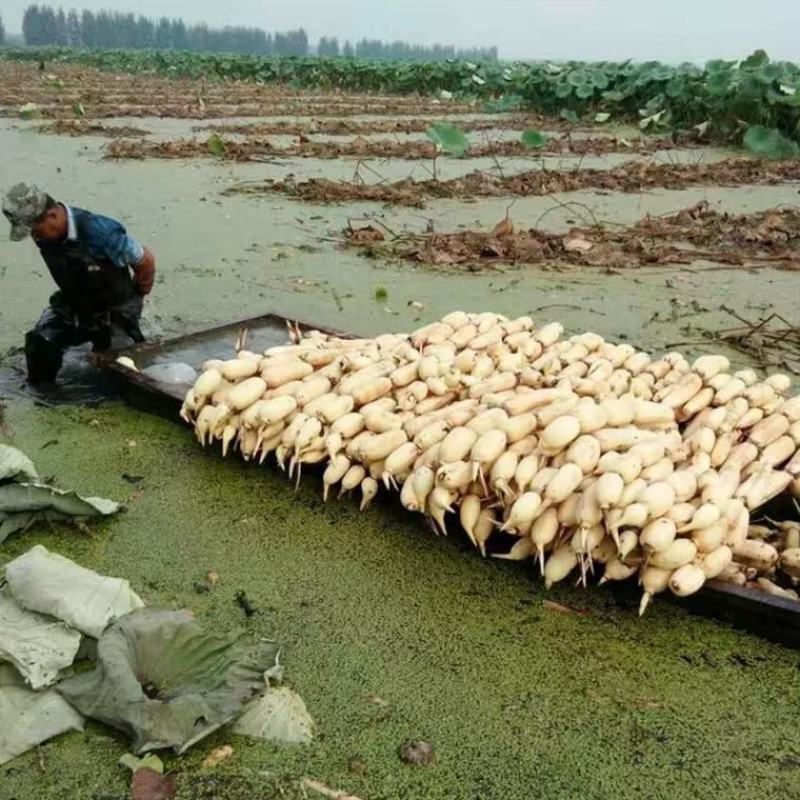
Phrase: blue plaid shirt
(105, 238)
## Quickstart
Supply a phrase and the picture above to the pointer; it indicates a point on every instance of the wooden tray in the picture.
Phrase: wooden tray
(145, 393)
(774, 618)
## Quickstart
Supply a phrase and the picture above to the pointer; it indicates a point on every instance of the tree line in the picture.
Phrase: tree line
(2, 32)
(395, 51)
(43, 25)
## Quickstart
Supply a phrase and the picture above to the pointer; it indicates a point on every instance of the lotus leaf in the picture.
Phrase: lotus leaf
(28, 718)
(167, 682)
(51, 584)
(38, 646)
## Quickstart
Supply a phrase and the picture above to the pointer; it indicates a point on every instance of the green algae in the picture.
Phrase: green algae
(390, 632)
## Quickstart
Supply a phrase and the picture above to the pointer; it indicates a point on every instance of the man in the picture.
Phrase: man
(102, 275)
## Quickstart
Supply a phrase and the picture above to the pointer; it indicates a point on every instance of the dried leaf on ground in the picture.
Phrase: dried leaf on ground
(358, 127)
(765, 238)
(326, 791)
(259, 149)
(80, 127)
(367, 234)
(147, 784)
(577, 244)
(217, 756)
(552, 605)
(280, 715)
(630, 177)
(503, 228)
(416, 752)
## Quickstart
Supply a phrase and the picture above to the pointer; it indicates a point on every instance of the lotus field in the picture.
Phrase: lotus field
(600, 237)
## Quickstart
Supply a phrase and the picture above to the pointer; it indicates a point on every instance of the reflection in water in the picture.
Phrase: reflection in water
(218, 343)
(78, 381)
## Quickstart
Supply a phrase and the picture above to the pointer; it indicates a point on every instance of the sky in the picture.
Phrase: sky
(665, 30)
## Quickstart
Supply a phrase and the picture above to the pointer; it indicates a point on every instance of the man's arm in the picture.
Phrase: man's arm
(109, 239)
(144, 272)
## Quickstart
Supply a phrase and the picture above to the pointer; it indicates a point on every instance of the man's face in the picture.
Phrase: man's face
(49, 227)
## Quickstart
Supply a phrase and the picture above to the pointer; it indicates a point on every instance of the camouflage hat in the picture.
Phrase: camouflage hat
(22, 206)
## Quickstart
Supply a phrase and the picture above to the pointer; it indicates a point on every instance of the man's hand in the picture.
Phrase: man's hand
(145, 272)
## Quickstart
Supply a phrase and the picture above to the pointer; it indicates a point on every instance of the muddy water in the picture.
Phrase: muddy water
(265, 253)
(78, 382)
(380, 170)
(389, 632)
